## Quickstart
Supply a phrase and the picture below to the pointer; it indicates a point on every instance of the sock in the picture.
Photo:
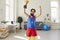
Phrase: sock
(33, 38)
(29, 38)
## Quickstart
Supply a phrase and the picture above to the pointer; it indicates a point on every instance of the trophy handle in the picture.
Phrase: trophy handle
(26, 2)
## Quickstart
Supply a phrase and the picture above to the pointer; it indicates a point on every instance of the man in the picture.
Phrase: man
(31, 23)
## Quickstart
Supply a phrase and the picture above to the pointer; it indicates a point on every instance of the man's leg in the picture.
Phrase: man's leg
(28, 33)
(34, 34)
(33, 38)
(28, 38)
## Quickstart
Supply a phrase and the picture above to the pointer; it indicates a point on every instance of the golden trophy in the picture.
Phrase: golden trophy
(26, 2)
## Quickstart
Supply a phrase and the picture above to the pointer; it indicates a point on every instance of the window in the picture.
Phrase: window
(9, 10)
(54, 11)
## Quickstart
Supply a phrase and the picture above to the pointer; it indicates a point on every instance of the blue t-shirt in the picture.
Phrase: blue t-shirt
(31, 22)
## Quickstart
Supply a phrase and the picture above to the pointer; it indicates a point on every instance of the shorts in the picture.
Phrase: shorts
(31, 32)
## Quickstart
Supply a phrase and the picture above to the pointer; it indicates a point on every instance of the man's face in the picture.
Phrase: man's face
(33, 11)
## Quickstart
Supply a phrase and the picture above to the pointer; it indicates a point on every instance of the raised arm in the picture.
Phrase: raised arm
(25, 7)
(39, 13)
(25, 12)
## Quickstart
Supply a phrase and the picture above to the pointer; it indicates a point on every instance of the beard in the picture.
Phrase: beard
(32, 14)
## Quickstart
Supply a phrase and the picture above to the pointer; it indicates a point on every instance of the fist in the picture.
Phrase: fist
(39, 6)
(25, 6)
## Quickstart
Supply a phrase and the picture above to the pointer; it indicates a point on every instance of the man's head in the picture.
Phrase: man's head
(33, 11)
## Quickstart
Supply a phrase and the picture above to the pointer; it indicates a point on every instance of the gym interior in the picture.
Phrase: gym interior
(13, 21)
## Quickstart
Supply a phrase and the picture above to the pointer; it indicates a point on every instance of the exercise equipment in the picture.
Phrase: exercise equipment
(46, 27)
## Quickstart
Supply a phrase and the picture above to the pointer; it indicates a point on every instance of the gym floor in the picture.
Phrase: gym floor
(42, 35)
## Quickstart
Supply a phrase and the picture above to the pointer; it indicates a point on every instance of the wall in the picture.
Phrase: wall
(59, 10)
(2, 10)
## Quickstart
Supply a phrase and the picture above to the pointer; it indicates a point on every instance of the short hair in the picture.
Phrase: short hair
(33, 9)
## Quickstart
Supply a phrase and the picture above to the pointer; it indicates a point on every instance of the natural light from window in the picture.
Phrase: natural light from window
(54, 11)
(9, 10)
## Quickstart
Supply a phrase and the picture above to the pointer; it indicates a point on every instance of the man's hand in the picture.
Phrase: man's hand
(40, 7)
(40, 12)
(25, 6)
